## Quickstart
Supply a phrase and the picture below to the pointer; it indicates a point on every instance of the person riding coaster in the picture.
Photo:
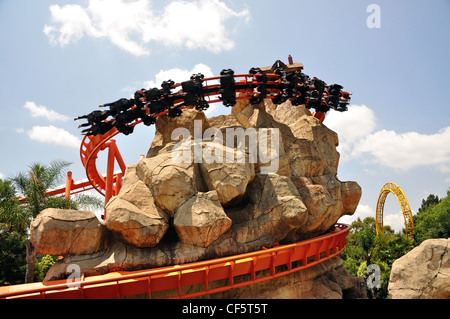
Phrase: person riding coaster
(193, 94)
(227, 87)
(93, 117)
(280, 85)
(259, 86)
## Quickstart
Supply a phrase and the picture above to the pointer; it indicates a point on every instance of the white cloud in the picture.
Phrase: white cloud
(53, 135)
(42, 111)
(405, 151)
(353, 125)
(178, 75)
(396, 221)
(132, 25)
(401, 151)
(2, 176)
(362, 211)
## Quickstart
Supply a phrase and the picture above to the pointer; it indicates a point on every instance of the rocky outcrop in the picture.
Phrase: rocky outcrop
(423, 273)
(262, 175)
(67, 232)
(133, 215)
(201, 220)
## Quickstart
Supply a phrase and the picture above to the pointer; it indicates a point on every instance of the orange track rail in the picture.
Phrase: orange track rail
(259, 266)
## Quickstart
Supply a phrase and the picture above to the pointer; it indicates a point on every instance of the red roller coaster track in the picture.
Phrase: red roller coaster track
(258, 266)
(210, 276)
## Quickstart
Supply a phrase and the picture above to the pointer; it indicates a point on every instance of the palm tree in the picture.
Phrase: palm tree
(12, 216)
(33, 186)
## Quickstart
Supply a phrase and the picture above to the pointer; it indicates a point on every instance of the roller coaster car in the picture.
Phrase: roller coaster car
(228, 87)
(174, 111)
(152, 94)
(193, 94)
(280, 82)
(190, 92)
(93, 117)
(118, 106)
(99, 128)
(259, 85)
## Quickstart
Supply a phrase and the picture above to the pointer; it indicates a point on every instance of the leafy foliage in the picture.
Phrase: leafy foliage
(433, 219)
(364, 247)
(13, 235)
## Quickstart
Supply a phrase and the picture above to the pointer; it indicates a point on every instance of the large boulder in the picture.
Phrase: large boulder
(229, 180)
(423, 273)
(201, 220)
(166, 126)
(171, 183)
(67, 232)
(277, 209)
(132, 216)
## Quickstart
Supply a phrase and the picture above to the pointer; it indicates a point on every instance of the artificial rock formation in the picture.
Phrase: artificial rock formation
(423, 273)
(178, 206)
(67, 232)
(134, 216)
(201, 220)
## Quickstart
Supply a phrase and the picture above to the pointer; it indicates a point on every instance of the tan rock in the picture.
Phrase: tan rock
(230, 180)
(165, 126)
(171, 183)
(132, 216)
(320, 204)
(278, 209)
(423, 273)
(306, 127)
(63, 232)
(304, 159)
(351, 194)
(285, 113)
(201, 220)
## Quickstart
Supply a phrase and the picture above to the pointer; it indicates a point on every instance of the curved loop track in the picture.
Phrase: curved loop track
(406, 210)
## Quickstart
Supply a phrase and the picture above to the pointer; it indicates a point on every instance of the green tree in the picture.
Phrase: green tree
(364, 247)
(433, 220)
(13, 235)
(33, 186)
(430, 201)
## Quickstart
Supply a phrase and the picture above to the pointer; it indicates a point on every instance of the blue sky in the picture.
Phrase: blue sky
(61, 59)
